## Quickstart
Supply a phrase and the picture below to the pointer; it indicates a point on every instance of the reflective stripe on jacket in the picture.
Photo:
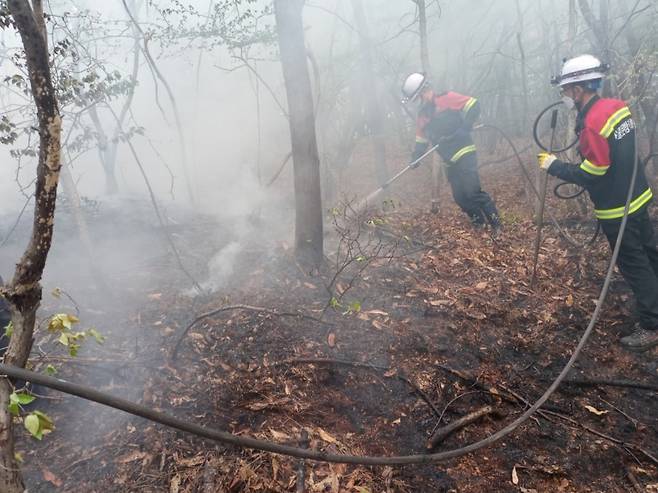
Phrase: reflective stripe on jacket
(606, 138)
(447, 121)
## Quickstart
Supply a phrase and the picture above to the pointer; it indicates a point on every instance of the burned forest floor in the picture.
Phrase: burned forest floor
(420, 321)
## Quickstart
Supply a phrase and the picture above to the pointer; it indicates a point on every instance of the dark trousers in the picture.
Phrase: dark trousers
(468, 194)
(638, 262)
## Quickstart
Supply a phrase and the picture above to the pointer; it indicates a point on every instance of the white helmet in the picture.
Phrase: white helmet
(580, 69)
(413, 86)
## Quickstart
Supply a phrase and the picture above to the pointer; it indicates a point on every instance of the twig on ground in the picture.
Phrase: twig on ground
(445, 431)
(630, 418)
(582, 382)
(438, 422)
(301, 465)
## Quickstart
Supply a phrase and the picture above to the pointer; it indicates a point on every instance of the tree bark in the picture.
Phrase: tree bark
(306, 162)
(24, 291)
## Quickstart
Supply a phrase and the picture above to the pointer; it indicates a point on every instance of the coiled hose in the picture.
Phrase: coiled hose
(556, 191)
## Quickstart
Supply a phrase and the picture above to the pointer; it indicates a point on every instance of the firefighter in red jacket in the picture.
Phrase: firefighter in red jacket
(606, 132)
(447, 119)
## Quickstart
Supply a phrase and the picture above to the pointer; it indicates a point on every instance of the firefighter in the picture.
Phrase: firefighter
(447, 119)
(606, 143)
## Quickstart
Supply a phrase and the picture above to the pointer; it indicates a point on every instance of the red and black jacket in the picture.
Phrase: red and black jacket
(606, 133)
(447, 120)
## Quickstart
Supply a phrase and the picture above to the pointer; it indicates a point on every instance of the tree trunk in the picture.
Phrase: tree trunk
(24, 291)
(306, 162)
(371, 97)
(435, 166)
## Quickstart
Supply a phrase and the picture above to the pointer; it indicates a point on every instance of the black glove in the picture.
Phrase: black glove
(419, 150)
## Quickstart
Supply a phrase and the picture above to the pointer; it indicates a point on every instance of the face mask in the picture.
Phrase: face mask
(568, 102)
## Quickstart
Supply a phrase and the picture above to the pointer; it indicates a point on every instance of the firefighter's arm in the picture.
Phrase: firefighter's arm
(470, 113)
(596, 161)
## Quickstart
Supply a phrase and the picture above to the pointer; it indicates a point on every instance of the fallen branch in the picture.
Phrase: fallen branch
(442, 433)
(611, 383)
(257, 309)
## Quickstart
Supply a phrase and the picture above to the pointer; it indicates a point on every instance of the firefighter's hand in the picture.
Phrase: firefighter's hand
(415, 162)
(545, 160)
(419, 150)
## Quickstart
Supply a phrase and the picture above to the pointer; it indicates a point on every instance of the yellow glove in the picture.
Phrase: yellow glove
(545, 160)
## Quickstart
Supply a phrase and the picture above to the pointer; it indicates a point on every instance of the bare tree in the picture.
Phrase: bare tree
(306, 162)
(24, 291)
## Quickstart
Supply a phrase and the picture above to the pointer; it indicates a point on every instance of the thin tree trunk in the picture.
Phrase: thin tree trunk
(435, 165)
(306, 162)
(24, 291)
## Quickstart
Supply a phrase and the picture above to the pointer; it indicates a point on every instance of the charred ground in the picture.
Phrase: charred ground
(455, 316)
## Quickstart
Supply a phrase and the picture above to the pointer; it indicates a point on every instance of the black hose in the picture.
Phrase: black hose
(560, 195)
(535, 134)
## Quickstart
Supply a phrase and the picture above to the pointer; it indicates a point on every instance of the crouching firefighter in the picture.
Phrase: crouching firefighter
(606, 138)
(446, 120)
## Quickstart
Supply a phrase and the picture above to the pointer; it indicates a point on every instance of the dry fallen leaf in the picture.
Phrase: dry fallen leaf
(481, 285)
(155, 296)
(174, 485)
(331, 339)
(51, 478)
(440, 302)
(593, 410)
(280, 436)
(327, 437)
(515, 476)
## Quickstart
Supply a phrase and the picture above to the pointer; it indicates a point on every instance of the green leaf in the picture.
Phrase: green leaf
(13, 406)
(73, 349)
(63, 339)
(18, 456)
(51, 370)
(45, 421)
(62, 321)
(33, 425)
(100, 339)
(9, 329)
(24, 399)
